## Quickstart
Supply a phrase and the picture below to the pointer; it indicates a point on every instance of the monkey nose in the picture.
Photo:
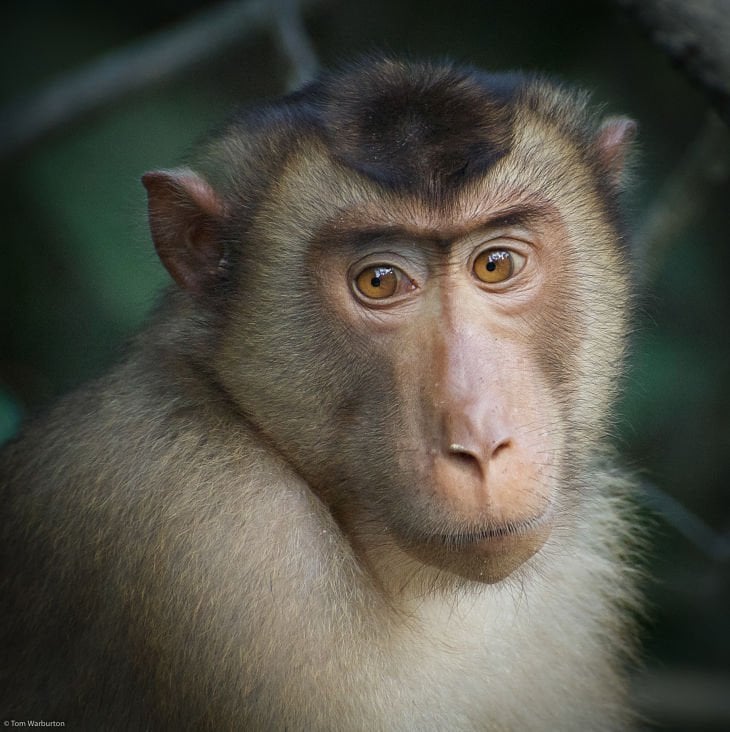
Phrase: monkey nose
(468, 474)
(476, 453)
(476, 457)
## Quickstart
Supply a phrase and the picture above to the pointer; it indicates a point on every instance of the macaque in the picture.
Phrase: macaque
(355, 474)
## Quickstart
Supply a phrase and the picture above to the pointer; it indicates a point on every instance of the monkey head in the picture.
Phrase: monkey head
(418, 280)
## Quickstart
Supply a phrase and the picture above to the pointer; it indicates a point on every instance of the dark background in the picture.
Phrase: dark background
(78, 271)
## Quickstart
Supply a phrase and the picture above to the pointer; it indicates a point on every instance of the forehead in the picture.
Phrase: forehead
(541, 176)
(416, 128)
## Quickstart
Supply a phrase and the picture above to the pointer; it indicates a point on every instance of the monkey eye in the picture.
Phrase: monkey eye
(381, 281)
(497, 265)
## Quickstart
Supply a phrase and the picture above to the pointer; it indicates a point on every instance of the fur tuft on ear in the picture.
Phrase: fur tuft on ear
(184, 217)
(613, 143)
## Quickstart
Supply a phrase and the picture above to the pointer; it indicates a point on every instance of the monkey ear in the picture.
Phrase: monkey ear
(184, 216)
(613, 143)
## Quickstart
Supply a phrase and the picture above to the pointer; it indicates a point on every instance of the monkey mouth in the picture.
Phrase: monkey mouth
(493, 534)
(486, 554)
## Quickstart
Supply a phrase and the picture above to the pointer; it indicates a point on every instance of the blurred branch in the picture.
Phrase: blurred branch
(684, 194)
(294, 43)
(695, 36)
(148, 62)
(711, 543)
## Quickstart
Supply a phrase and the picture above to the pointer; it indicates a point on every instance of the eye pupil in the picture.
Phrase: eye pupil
(494, 265)
(378, 282)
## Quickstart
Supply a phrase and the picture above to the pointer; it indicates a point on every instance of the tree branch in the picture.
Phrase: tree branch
(141, 65)
(294, 43)
(684, 195)
(712, 544)
(695, 35)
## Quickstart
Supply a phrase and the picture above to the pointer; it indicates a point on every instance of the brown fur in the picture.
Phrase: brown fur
(242, 525)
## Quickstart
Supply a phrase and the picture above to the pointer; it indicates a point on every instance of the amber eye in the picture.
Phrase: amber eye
(494, 265)
(377, 282)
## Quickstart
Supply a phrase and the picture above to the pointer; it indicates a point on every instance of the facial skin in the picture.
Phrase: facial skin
(448, 314)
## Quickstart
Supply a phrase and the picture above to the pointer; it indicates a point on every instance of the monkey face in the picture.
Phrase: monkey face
(446, 314)
(421, 405)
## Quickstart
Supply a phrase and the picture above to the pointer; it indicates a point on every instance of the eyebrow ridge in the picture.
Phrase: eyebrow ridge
(356, 236)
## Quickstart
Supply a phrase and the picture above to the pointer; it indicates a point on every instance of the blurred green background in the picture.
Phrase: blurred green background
(78, 271)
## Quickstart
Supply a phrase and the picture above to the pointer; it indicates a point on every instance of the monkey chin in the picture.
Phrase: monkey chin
(487, 557)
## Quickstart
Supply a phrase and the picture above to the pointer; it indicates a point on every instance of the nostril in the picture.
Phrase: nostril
(468, 454)
(460, 450)
(466, 457)
(503, 445)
